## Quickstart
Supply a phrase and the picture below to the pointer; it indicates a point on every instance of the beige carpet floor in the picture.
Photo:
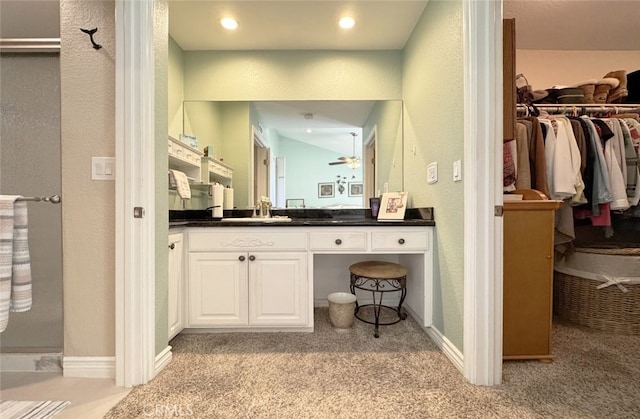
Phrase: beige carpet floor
(329, 374)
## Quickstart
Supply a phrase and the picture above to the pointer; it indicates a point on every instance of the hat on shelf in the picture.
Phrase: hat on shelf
(619, 93)
(603, 87)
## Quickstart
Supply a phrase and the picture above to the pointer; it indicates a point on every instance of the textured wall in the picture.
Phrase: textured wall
(88, 129)
(293, 75)
(30, 166)
(161, 109)
(176, 89)
(433, 120)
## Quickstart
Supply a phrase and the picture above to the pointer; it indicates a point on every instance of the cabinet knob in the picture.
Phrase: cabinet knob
(548, 256)
(338, 241)
(401, 241)
(241, 258)
(252, 257)
(172, 246)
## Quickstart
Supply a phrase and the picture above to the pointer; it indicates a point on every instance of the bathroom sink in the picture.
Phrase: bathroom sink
(256, 220)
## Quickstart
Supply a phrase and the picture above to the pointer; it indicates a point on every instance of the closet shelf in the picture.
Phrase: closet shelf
(591, 107)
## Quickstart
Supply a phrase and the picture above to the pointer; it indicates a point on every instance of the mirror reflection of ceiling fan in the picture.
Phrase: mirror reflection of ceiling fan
(353, 161)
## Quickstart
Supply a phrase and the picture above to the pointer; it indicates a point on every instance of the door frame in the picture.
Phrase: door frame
(135, 263)
(135, 188)
(482, 175)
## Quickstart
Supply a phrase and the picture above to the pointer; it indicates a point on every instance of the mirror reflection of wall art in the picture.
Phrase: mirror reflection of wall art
(393, 206)
(355, 188)
(325, 190)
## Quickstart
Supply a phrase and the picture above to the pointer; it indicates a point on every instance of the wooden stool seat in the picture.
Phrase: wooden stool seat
(379, 277)
(378, 270)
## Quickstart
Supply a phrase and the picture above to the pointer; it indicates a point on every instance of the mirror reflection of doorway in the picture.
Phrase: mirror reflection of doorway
(369, 167)
(261, 167)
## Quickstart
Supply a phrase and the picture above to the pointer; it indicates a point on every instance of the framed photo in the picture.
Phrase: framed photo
(326, 190)
(355, 188)
(393, 206)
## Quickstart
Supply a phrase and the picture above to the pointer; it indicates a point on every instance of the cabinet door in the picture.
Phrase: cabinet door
(217, 289)
(175, 285)
(528, 278)
(278, 289)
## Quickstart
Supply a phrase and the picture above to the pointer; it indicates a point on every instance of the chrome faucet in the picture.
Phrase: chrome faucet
(264, 206)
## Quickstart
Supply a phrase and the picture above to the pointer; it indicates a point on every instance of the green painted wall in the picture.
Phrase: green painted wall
(433, 94)
(292, 75)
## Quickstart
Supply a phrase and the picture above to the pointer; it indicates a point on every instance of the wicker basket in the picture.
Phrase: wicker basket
(609, 309)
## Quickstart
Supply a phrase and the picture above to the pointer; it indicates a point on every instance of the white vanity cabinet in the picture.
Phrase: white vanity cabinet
(270, 278)
(175, 284)
(243, 279)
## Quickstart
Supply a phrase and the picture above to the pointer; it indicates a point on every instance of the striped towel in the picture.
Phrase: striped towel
(15, 263)
(181, 182)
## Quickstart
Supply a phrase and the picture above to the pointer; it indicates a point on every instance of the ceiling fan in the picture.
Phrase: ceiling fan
(353, 161)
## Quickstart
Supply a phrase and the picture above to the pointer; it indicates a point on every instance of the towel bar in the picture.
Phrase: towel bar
(54, 199)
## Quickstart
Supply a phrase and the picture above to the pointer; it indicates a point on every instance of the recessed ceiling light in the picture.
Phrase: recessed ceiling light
(347, 22)
(309, 130)
(229, 23)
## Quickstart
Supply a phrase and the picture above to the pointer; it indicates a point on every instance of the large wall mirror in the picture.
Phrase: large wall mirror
(316, 154)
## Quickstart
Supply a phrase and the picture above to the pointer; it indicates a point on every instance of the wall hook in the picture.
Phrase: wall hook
(90, 32)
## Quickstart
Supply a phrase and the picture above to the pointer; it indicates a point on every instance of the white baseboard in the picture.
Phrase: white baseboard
(163, 359)
(30, 362)
(89, 366)
(447, 348)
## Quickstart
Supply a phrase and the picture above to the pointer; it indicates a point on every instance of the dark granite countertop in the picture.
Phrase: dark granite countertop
(300, 217)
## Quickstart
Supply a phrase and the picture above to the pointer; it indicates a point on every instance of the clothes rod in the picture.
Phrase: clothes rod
(54, 199)
(589, 106)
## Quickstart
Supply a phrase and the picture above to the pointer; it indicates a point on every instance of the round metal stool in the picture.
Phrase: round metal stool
(379, 278)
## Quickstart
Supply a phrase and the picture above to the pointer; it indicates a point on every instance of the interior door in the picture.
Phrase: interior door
(261, 171)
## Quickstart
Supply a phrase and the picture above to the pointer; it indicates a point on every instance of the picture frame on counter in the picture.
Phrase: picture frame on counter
(393, 206)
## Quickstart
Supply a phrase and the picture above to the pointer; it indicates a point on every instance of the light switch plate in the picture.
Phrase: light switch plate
(103, 168)
(432, 172)
(457, 171)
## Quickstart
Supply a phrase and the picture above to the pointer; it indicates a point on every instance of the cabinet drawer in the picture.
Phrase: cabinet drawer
(338, 241)
(235, 241)
(400, 240)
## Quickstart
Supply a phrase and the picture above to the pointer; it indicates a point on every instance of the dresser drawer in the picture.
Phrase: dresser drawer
(400, 240)
(238, 241)
(338, 241)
